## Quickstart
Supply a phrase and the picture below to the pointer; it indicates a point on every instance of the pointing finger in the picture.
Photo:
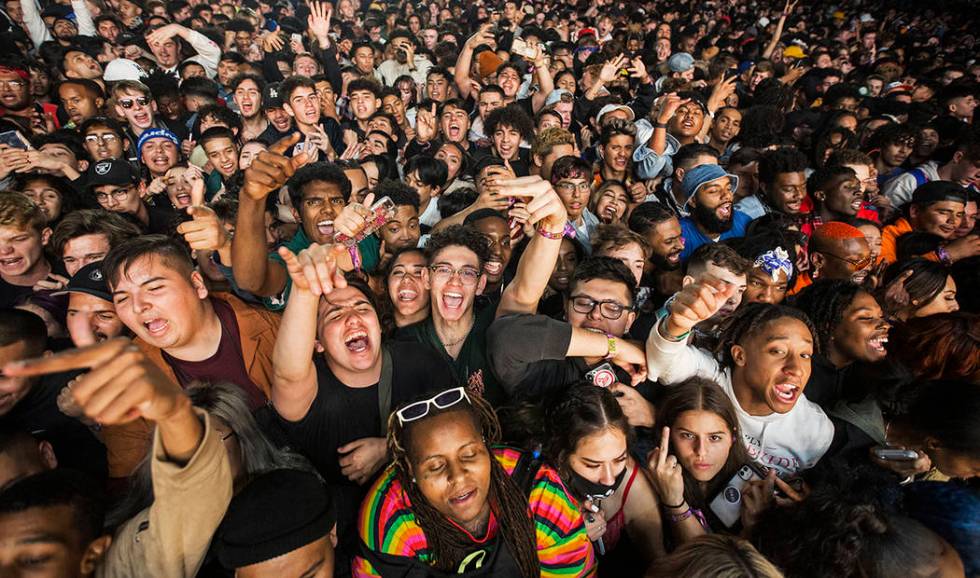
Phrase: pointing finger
(82, 358)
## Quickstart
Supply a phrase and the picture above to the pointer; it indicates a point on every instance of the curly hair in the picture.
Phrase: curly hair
(750, 320)
(448, 543)
(513, 117)
(824, 302)
(461, 236)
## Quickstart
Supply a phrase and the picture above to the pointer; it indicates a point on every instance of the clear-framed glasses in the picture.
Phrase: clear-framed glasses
(15, 84)
(118, 194)
(108, 138)
(128, 103)
(420, 409)
(609, 309)
(467, 275)
(567, 187)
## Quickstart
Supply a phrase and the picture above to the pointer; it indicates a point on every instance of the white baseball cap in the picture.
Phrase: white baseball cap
(123, 69)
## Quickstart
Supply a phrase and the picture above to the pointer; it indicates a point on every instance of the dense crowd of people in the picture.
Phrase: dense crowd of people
(512, 288)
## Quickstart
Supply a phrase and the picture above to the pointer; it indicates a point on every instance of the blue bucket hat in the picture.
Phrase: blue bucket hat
(154, 133)
(701, 175)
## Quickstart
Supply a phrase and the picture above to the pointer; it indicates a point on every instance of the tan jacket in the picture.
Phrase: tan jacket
(127, 444)
(171, 537)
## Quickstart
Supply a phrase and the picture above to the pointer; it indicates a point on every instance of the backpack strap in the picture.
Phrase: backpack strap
(920, 176)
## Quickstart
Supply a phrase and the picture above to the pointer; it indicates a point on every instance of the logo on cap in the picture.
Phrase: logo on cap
(102, 168)
(95, 275)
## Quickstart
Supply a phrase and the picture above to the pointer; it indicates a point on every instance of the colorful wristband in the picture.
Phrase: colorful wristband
(548, 234)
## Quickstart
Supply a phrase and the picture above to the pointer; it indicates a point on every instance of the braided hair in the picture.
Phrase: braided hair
(824, 302)
(450, 545)
(751, 319)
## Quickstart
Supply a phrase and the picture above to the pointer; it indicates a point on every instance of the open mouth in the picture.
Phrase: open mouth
(141, 118)
(454, 131)
(228, 168)
(356, 342)
(856, 205)
(609, 212)
(493, 268)
(452, 300)
(325, 228)
(877, 343)
(11, 262)
(183, 199)
(161, 161)
(407, 295)
(674, 257)
(156, 327)
(460, 499)
(725, 211)
(786, 392)
(793, 206)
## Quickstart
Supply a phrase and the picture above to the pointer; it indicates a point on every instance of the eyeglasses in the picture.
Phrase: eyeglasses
(567, 187)
(14, 84)
(609, 309)
(858, 265)
(128, 103)
(467, 275)
(420, 409)
(118, 194)
(101, 138)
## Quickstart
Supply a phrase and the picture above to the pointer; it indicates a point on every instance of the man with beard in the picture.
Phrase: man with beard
(709, 192)
(662, 230)
(247, 90)
(91, 314)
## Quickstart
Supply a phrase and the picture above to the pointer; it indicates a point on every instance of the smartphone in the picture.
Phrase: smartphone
(308, 147)
(521, 48)
(296, 37)
(731, 73)
(381, 211)
(895, 454)
(727, 505)
(14, 140)
(602, 376)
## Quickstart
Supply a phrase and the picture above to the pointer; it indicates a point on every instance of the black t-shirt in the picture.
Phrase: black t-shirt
(341, 414)
(75, 446)
(11, 294)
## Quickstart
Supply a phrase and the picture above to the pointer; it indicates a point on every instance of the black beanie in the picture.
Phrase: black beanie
(278, 512)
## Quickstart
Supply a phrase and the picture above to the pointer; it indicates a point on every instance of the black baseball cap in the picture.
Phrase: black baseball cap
(111, 172)
(271, 98)
(939, 191)
(89, 280)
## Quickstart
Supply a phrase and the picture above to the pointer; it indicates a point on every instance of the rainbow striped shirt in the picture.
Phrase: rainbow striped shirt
(386, 523)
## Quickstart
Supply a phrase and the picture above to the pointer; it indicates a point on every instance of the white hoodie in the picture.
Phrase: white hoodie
(788, 442)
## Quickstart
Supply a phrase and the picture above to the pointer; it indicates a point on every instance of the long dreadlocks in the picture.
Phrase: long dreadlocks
(751, 319)
(448, 543)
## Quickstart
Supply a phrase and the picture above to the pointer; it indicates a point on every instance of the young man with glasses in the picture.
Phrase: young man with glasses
(535, 355)
(572, 178)
(104, 138)
(336, 381)
(116, 187)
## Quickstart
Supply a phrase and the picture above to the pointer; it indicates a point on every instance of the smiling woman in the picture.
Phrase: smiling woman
(455, 501)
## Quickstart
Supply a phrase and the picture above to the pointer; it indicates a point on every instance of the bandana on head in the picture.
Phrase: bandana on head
(774, 261)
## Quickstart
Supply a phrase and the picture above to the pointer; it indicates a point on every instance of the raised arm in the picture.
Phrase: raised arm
(36, 27)
(771, 47)
(548, 216)
(86, 26)
(314, 273)
(546, 83)
(252, 268)
(670, 359)
(461, 75)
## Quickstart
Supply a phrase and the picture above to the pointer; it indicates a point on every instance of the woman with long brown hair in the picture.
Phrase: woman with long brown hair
(699, 453)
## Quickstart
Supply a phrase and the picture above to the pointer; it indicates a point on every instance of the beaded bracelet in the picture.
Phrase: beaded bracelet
(549, 235)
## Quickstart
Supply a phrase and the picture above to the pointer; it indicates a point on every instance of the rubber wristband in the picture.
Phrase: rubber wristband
(355, 257)
(672, 507)
(943, 256)
(610, 346)
(549, 235)
(681, 517)
(660, 125)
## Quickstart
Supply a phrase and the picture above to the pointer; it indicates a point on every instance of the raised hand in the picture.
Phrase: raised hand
(668, 105)
(315, 269)
(205, 232)
(544, 207)
(318, 22)
(52, 282)
(354, 217)
(425, 124)
(668, 475)
(695, 303)
(638, 411)
(122, 385)
(271, 169)
(163, 34)
(482, 36)
(610, 70)
(720, 93)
